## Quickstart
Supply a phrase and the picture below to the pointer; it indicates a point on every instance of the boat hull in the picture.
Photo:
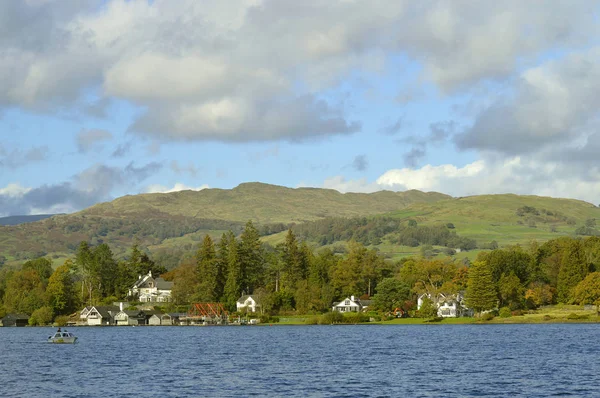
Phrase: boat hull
(63, 340)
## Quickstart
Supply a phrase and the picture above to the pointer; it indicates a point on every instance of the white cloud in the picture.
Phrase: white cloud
(242, 70)
(551, 104)
(485, 176)
(157, 188)
(14, 190)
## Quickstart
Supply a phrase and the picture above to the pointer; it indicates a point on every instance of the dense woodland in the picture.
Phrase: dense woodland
(294, 278)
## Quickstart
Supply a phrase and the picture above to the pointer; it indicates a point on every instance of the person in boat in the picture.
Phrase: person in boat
(58, 331)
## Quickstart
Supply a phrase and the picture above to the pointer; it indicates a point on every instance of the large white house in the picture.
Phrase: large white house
(149, 289)
(247, 303)
(448, 305)
(351, 304)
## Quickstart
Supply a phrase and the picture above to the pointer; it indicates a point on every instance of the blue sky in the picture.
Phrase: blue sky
(100, 99)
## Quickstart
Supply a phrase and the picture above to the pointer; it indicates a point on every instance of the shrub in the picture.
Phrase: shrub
(488, 316)
(61, 320)
(518, 313)
(313, 320)
(572, 316)
(356, 317)
(268, 319)
(330, 318)
(505, 312)
(41, 316)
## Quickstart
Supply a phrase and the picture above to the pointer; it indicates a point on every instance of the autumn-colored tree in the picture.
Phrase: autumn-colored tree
(588, 291)
(25, 292)
(540, 293)
(185, 282)
(61, 294)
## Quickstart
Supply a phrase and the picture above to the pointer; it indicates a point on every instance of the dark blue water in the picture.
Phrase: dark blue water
(319, 361)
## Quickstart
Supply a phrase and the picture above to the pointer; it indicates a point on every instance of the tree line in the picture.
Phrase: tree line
(292, 277)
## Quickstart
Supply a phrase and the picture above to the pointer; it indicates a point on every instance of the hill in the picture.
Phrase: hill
(16, 220)
(180, 219)
(173, 224)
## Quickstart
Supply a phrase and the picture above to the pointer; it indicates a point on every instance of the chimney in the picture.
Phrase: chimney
(120, 306)
(352, 298)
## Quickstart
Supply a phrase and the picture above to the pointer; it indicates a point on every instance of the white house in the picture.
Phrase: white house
(149, 289)
(351, 304)
(132, 317)
(247, 303)
(448, 305)
(98, 315)
(154, 320)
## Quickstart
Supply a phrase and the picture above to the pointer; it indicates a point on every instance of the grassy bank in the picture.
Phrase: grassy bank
(550, 314)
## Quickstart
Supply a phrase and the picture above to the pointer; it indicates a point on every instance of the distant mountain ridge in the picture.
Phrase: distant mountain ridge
(16, 220)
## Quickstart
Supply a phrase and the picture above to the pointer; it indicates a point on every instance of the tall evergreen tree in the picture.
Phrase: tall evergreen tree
(251, 258)
(222, 263)
(233, 285)
(206, 260)
(106, 270)
(481, 290)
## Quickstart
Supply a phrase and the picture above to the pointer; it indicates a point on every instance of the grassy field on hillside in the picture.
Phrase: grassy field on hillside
(178, 221)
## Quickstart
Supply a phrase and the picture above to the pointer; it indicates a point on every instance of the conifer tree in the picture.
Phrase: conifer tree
(251, 258)
(223, 263)
(481, 290)
(206, 261)
(233, 285)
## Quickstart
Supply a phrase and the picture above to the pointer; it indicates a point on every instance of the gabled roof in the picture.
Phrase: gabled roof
(243, 299)
(355, 301)
(105, 311)
(163, 284)
(16, 316)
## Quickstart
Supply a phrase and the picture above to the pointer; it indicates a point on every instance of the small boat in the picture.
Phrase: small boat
(62, 337)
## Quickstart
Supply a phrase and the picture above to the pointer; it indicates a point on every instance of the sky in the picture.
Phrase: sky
(105, 98)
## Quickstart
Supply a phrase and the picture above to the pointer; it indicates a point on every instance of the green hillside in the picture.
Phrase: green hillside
(503, 217)
(263, 203)
(174, 223)
(165, 221)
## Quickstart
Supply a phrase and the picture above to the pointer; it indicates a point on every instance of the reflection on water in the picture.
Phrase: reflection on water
(328, 361)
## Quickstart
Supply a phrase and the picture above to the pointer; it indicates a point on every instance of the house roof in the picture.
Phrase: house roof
(163, 284)
(134, 313)
(357, 301)
(15, 317)
(105, 310)
(243, 299)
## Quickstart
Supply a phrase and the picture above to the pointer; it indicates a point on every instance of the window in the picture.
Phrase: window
(347, 302)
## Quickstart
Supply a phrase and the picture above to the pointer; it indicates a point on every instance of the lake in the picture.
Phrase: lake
(317, 361)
